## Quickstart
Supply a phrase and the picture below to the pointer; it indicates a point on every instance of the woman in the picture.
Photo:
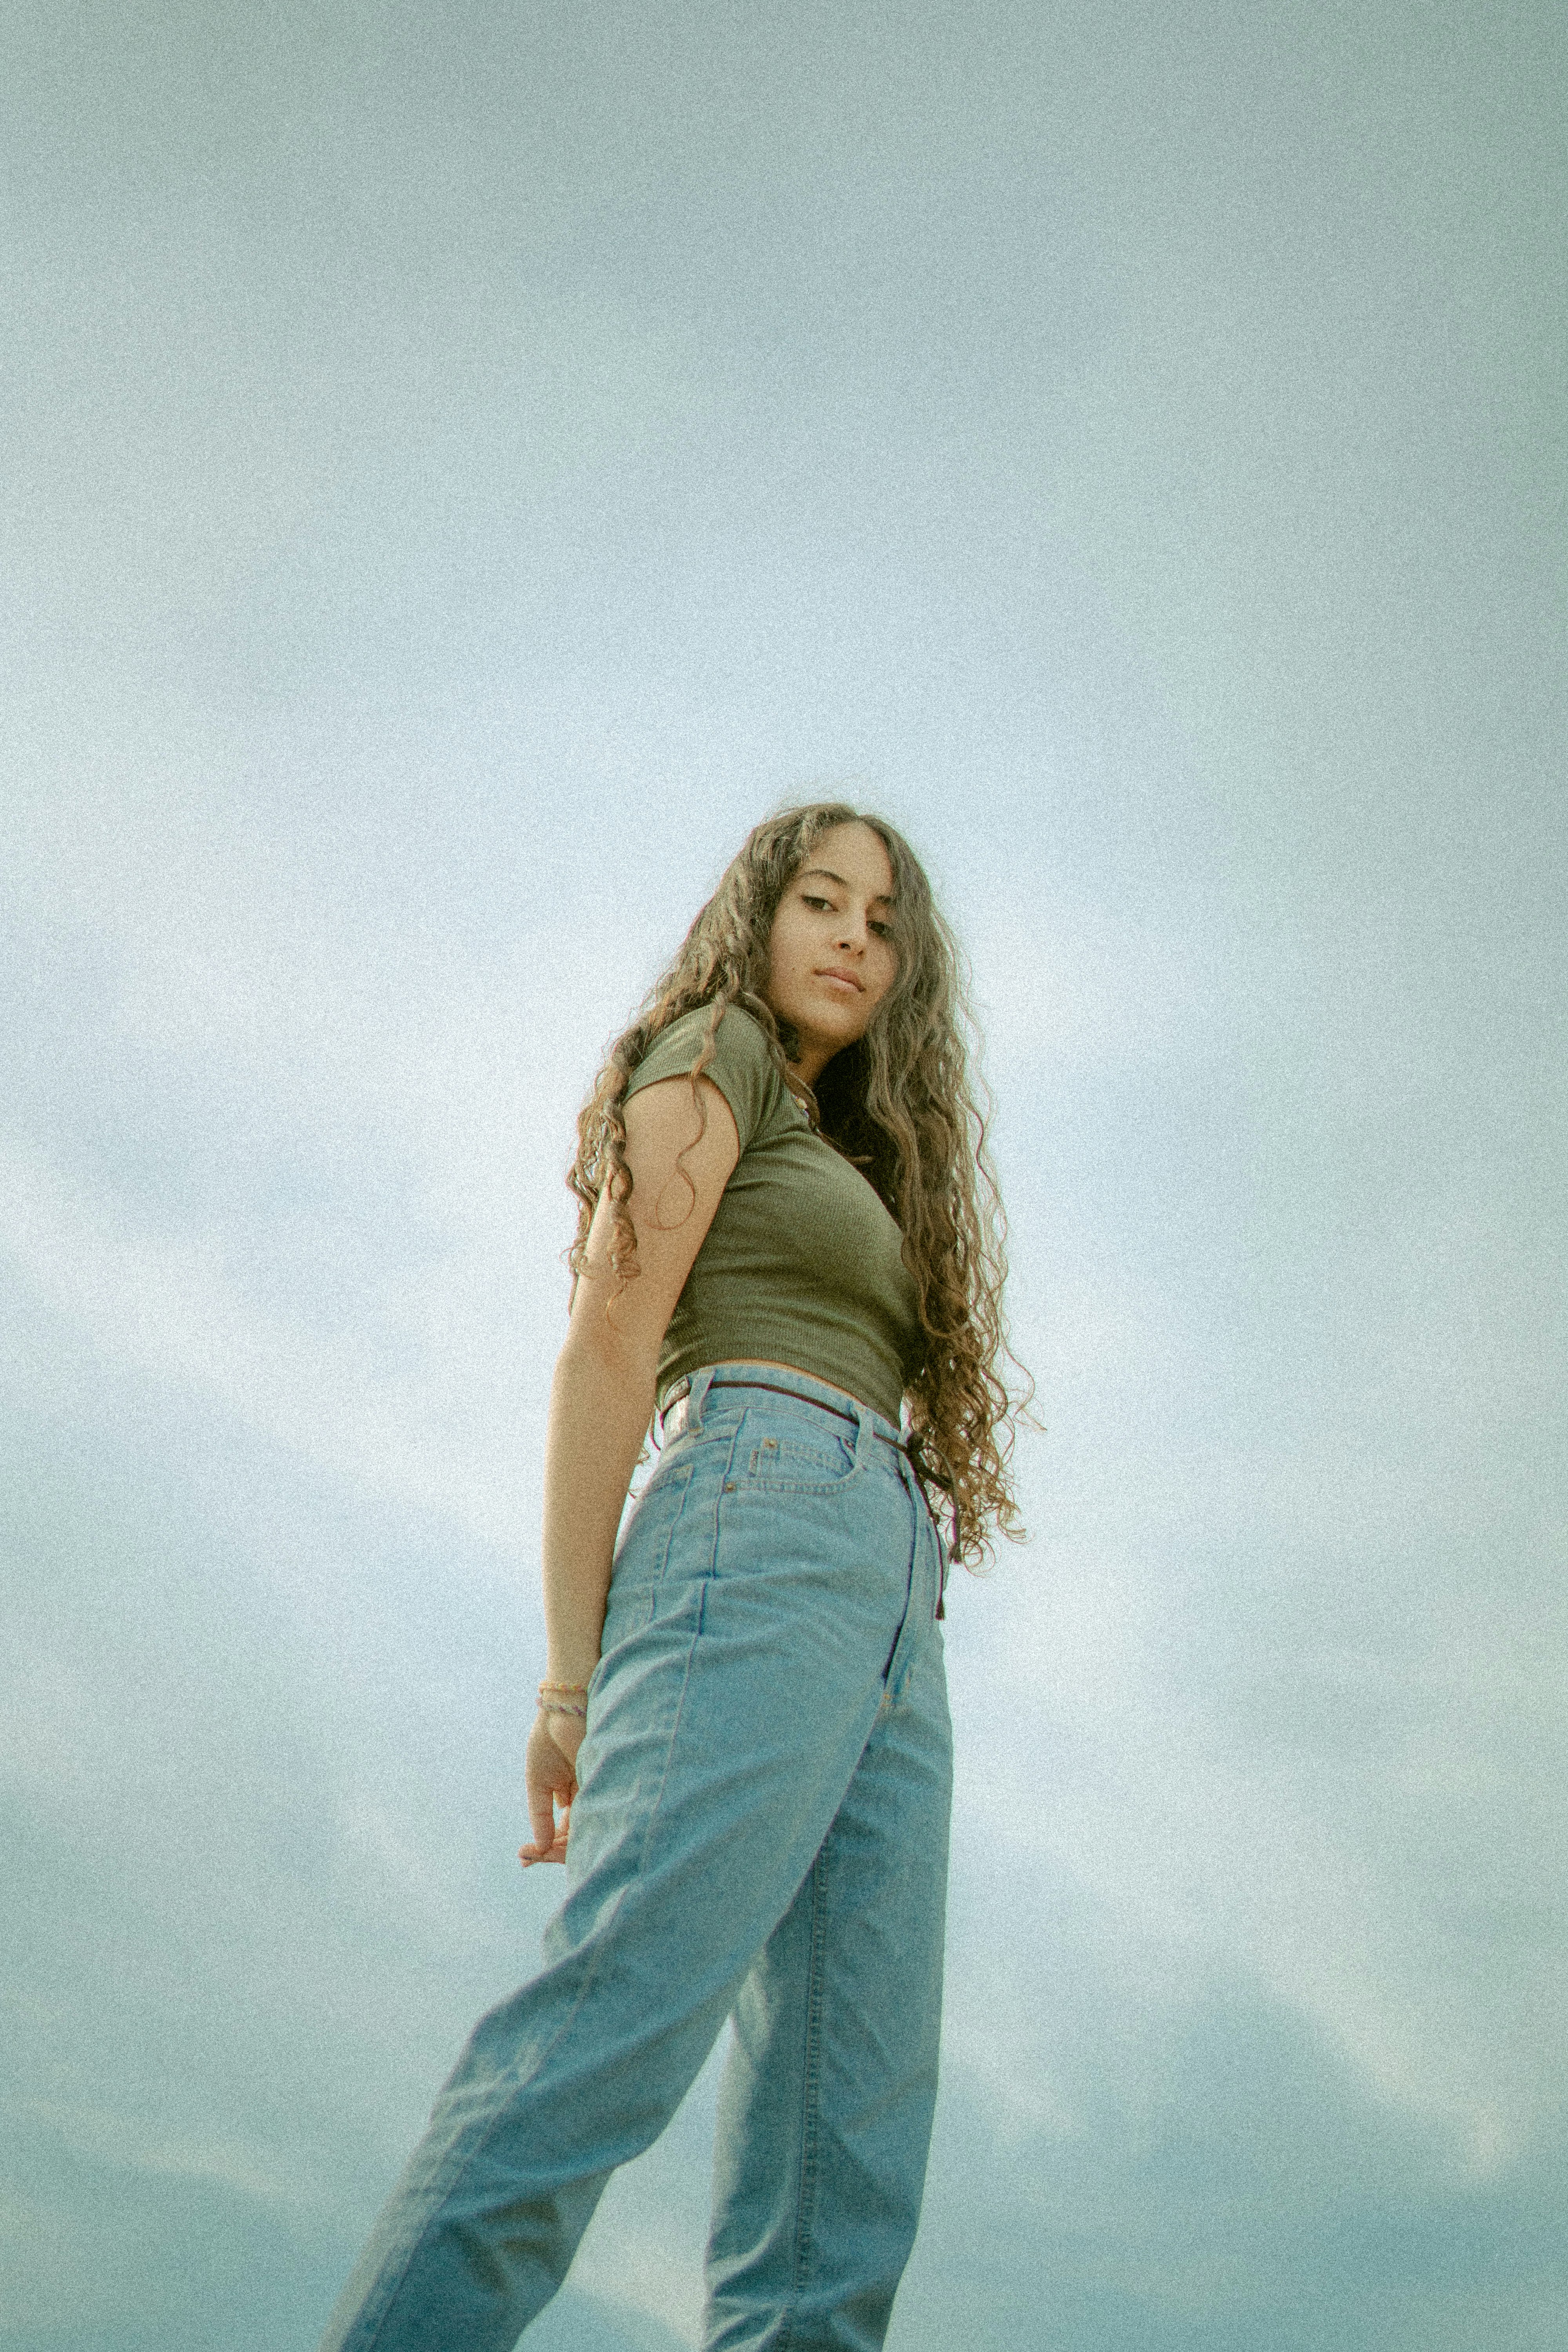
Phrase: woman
(741, 1753)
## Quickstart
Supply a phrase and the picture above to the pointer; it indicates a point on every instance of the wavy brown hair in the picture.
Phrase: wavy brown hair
(899, 1103)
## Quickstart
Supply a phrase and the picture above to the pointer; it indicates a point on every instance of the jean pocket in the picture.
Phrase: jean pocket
(800, 1464)
(643, 1552)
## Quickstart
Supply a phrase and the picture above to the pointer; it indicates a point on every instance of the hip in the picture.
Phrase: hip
(770, 1476)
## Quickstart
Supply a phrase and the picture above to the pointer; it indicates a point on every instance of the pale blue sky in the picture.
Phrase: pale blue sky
(462, 468)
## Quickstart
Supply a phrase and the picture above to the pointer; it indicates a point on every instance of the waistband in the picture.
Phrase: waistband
(684, 1398)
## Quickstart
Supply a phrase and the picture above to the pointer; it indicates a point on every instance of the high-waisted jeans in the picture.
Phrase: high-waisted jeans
(759, 1829)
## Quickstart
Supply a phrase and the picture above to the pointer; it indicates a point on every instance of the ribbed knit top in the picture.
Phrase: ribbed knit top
(802, 1264)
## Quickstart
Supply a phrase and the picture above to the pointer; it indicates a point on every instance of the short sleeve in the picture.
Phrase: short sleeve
(741, 1064)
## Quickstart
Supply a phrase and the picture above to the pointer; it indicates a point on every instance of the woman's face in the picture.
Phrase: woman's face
(831, 953)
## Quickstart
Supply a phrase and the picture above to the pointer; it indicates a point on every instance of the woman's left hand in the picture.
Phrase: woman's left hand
(550, 1773)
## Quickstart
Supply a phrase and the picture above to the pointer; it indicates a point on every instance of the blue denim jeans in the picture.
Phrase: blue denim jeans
(760, 1830)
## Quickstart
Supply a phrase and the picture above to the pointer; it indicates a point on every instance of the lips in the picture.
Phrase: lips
(834, 972)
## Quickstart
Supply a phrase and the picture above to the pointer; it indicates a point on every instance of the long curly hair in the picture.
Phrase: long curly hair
(900, 1104)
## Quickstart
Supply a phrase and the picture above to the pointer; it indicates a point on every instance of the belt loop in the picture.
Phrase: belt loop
(865, 1435)
(696, 1395)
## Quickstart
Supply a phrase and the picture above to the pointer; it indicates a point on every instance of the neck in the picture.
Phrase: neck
(810, 1062)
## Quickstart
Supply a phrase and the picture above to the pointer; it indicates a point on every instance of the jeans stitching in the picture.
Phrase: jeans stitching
(769, 1470)
(811, 2088)
(750, 1480)
(909, 1639)
(653, 1584)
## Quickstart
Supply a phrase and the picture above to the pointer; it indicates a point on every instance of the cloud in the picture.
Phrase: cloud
(466, 478)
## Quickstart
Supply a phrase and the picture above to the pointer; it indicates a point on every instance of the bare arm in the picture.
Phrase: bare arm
(601, 1399)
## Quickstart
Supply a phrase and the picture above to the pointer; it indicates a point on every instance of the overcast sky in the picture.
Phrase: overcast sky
(462, 469)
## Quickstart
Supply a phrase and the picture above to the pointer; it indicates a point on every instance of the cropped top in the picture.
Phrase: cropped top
(802, 1265)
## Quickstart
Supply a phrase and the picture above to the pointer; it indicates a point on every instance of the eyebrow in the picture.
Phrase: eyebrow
(882, 898)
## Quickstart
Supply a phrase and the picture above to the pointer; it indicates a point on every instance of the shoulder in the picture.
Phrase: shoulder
(741, 1063)
(740, 1040)
(743, 1041)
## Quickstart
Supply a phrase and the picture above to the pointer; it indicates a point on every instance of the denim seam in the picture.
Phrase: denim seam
(654, 1584)
(755, 1483)
(459, 2155)
(811, 2088)
(908, 1640)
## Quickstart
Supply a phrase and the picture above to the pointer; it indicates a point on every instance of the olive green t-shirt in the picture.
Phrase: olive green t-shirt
(802, 1264)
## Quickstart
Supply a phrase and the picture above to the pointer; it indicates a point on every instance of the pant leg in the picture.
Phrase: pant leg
(826, 2102)
(745, 1650)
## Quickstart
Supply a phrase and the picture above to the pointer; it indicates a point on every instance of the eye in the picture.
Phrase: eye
(883, 931)
(823, 905)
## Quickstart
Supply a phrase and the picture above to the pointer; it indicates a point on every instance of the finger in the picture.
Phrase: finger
(542, 1818)
(554, 1852)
